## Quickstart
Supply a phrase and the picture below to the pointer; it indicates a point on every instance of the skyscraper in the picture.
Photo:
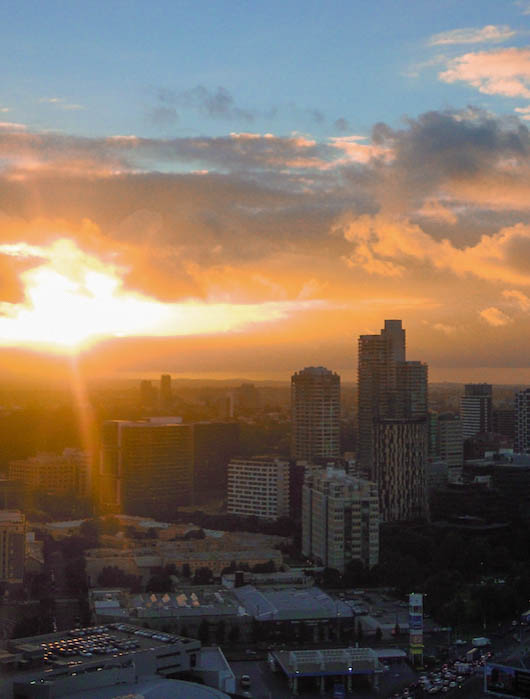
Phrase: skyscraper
(12, 546)
(522, 422)
(475, 409)
(315, 413)
(165, 391)
(146, 466)
(450, 443)
(393, 428)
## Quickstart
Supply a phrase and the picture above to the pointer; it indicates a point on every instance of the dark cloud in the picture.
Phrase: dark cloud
(342, 125)
(215, 104)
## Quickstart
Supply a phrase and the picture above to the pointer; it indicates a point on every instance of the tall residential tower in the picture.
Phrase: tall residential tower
(393, 428)
(315, 413)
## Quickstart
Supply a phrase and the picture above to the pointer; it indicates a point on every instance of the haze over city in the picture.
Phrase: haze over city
(220, 189)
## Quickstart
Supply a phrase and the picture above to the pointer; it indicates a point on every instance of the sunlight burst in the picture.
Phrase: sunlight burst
(72, 298)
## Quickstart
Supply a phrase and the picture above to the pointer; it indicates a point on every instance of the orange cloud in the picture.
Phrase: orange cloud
(522, 300)
(472, 35)
(495, 317)
(387, 246)
(503, 72)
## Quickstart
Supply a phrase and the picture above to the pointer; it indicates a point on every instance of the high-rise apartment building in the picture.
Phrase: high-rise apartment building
(450, 443)
(258, 486)
(315, 413)
(146, 466)
(340, 519)
(411, 389)
(165, 391)
(214, 444)
(503, 421)
(393, 422)
(147, 394)
(522, 422)
(12, 546)
(475, 409)
(400, 462)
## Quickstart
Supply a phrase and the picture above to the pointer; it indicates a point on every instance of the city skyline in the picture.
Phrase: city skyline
(266, 181)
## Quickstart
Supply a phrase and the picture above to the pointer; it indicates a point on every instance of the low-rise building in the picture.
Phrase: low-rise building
(57, 474)
(97, 662)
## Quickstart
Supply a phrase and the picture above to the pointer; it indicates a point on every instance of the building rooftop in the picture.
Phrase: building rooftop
(187, 602)
(153, 688)
(14, 516)
(293, 603)
(329, 661)
(79, 647)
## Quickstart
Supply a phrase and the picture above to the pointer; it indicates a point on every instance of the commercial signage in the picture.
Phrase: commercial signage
(506, 681)
(416, 628)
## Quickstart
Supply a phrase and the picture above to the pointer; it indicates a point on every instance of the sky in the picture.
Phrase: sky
(242, 189)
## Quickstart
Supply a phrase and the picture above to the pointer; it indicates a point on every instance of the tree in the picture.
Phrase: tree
(203, 632)
(359, 631)
(90, 529)
(203, 576)
(159, 582)
(220, 631)
(233, 634)
(112, 576)
(268, 567)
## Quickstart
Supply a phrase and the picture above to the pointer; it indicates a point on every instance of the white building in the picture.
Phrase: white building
(258, 486)
(340, 519)
(475, 409)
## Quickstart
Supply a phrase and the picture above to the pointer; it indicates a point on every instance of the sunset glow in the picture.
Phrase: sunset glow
(72, 298)
(260, 209)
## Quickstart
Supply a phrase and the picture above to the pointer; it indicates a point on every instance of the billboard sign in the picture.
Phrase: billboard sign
(506, 680)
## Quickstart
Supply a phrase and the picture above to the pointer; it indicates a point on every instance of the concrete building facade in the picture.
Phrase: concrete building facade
(258, 486)
(400, 468)
(475, 409)
(12, 546)
(522, 422)
(340, 519)
(393, 422)
(146, 466)
(58, 474)
(450, 443)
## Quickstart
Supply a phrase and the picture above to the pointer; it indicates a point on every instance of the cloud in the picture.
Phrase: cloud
(489, 34)
(444, 328)
(433, 208)
(522, 300)
(215, 104)
(524, 112)
(503, 72)
(358, 152)
(342, 124)
(524, 5)
(495, 317)
(61, 103)
(389, 246)
(71, 296)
